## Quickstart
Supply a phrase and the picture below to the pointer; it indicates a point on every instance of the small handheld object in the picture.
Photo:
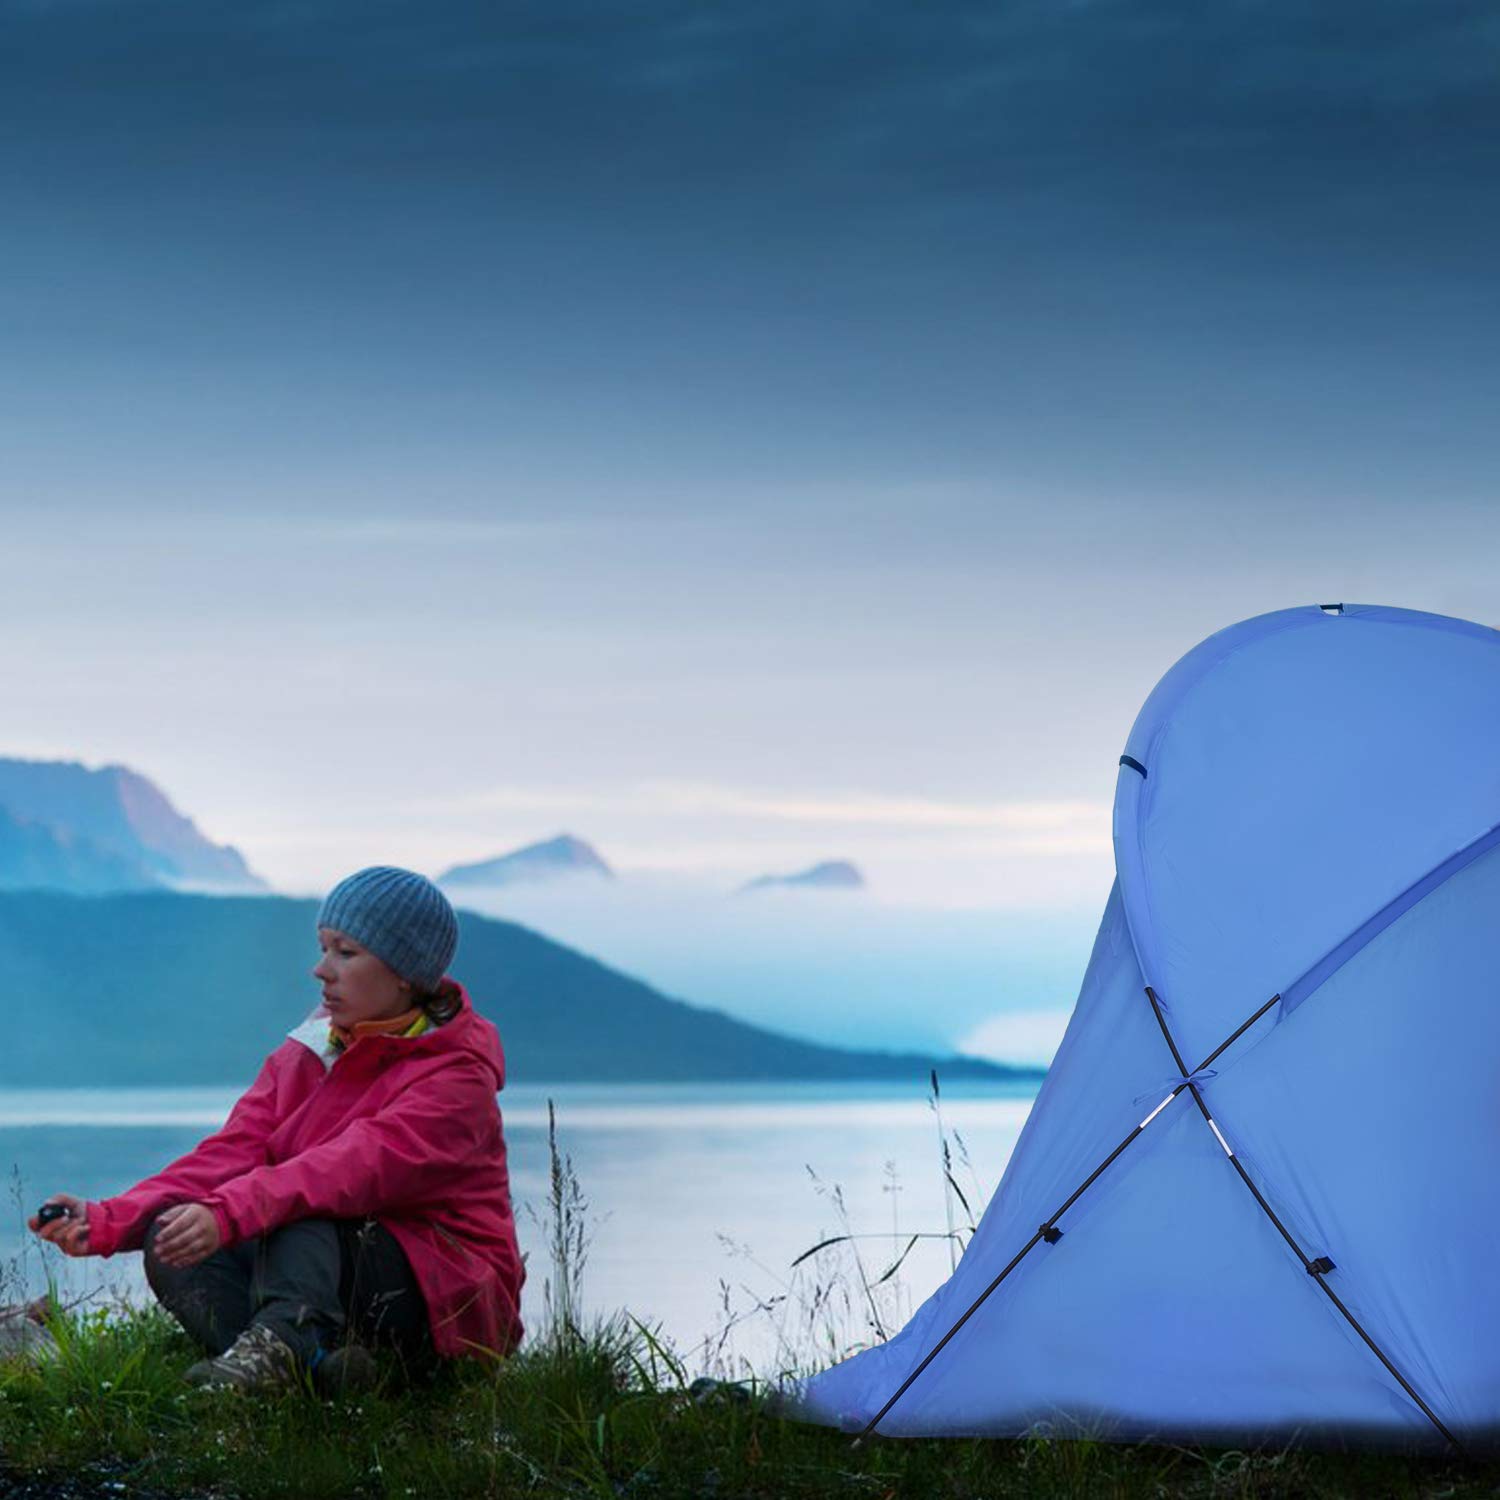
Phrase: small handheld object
(50, 1212)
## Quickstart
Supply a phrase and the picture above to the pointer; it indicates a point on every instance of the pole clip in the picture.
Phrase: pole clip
(1050, 1232)
(1319, 1267)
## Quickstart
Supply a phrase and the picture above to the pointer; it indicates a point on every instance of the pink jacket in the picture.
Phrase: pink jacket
(404, 1129)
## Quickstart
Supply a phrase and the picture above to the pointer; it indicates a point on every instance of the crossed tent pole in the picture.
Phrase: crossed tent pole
(1318, 1268)
(1293, 996)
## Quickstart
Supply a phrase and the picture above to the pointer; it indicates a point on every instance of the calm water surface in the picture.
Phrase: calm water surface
(697, 1196)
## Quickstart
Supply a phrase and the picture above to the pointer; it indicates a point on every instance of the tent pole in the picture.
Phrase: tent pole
(1020, 1255)
(1236, 1034)
(1316, 1269)
(1042, 1233)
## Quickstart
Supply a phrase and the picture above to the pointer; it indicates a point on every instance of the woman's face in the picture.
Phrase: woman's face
(357, 986)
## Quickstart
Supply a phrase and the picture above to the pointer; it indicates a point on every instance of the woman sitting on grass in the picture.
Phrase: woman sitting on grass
(357, 1194)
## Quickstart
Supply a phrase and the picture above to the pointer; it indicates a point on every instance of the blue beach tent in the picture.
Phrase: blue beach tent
(1257, 1197)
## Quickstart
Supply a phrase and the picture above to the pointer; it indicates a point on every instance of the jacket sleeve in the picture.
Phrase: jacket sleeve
(120, 1223)
(418, 1150)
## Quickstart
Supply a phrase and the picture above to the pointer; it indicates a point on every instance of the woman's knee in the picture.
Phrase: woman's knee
(158, 1273)
(209, 1299)
(161, 1277)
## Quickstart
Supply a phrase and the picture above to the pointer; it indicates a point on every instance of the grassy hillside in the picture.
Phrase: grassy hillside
(156, 987)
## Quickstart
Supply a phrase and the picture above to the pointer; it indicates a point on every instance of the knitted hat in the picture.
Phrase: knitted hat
(400, 916)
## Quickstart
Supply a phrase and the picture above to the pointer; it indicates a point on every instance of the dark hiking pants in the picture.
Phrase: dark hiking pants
(318, 1283)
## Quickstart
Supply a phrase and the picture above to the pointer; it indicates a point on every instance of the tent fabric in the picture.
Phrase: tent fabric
(1313, 821)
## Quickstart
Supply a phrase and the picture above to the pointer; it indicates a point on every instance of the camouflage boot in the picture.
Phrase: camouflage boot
(258, 1360)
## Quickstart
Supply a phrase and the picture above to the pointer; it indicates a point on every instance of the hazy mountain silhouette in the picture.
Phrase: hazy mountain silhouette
(165, 988)
(552, 859)
(65, 827)
(830, 875)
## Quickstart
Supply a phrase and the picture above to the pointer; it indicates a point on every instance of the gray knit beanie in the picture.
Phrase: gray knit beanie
(400, 916)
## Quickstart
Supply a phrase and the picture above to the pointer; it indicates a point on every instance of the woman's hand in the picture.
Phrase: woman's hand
(71, 1233)
(186, 1234)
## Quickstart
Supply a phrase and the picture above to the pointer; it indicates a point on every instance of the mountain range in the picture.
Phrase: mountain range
(163, 988)
(566, 856)
(65, 827)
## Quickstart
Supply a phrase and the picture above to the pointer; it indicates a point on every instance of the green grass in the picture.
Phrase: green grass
(608, 1414)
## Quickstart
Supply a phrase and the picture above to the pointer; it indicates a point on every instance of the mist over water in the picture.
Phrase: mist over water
(843, 968)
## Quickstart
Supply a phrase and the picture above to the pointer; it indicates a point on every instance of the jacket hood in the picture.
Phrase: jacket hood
(467, 1031)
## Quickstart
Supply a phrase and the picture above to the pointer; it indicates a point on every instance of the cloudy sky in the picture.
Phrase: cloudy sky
(738, 434)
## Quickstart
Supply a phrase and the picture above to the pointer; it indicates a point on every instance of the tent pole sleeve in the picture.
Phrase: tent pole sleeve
(1016, 1260)
(1307, 1265)
(1362, 937)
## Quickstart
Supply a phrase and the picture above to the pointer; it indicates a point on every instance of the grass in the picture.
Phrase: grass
(603, 1413)
(602, 1410)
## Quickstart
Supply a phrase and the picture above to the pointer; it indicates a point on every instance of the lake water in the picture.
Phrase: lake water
(699, 1197)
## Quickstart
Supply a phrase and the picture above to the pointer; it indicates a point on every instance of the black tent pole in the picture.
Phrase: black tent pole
(1318, 1268)
(1049, 1231)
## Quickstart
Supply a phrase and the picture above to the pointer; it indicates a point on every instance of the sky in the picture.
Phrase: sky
(737, 435)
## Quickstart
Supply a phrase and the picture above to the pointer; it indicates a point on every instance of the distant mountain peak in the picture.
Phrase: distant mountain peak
(830, 875)
(551, 859)
(66, 827)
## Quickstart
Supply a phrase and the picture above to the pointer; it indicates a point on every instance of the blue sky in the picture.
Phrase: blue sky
(738, 435)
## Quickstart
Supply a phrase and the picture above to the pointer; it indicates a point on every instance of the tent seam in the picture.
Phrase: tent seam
(1475, 849)
(1159, 732)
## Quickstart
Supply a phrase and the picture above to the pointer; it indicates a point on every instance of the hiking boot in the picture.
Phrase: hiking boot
(706, 1391)
(258, 1360)
(347, 1371)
